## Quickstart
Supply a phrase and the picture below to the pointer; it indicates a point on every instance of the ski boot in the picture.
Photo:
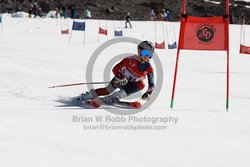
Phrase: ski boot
(82, 97)
(115, 97)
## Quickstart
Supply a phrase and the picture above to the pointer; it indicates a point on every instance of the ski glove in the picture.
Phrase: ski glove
(146, 95)
(120, 82)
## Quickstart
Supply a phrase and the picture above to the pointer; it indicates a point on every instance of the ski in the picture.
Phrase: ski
(134, 104)
(99, 103)
(92, 103)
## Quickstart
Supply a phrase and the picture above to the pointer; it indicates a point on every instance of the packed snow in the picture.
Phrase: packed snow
(37, 130)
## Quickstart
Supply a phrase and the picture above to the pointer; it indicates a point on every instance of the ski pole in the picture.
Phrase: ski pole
(75, 84)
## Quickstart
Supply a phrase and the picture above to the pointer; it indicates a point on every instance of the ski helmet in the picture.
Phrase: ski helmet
(146, 45)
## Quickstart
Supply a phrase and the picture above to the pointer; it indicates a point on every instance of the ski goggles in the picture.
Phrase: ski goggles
(147, 53)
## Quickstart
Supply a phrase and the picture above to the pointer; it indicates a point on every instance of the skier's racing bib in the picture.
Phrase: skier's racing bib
(131, 75)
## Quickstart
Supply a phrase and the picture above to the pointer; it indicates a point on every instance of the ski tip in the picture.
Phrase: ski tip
(135, 104)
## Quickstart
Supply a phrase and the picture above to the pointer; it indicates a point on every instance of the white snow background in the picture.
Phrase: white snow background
(35, 131)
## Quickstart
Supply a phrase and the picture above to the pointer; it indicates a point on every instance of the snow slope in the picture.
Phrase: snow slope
(36, 130)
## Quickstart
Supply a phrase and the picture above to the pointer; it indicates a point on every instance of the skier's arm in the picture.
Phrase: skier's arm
(120, 79)
(151, 85)
(117, 69)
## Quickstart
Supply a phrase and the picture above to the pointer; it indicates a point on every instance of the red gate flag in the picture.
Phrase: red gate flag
(160, 45)
(244, 49)
(65, 31)
(203, 33)
(103, 31)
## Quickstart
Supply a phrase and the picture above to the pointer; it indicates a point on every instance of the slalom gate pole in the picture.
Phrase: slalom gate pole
(175, 76)
(76, 84)
(227, 46)
(180, 42)
(227, 86)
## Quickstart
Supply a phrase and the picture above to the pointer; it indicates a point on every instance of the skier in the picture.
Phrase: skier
(128, 18)
(129, 76)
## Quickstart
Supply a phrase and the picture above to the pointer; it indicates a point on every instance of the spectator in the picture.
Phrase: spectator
(64, 11)
(34, 9)
(57, 12)
(73, 12)
(168, 16)
(39, 11)
(86, 14)
(30, 12)
(231, 19)
(162, 15)
(152, 15)
(242, 18)
(128, 18)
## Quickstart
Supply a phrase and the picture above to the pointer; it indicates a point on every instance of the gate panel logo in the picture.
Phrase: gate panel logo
(205, 33)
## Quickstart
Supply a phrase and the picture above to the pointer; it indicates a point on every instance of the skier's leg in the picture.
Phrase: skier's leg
(124, 91)
(116, 96)
(93, 94)
(107, 90)
(82, 97)
(133, 87)
(130, 24)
